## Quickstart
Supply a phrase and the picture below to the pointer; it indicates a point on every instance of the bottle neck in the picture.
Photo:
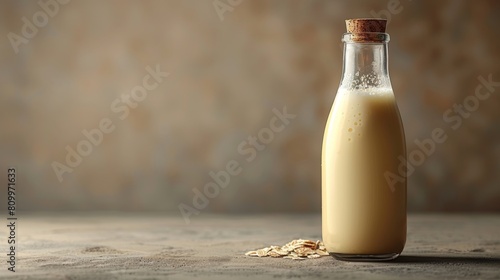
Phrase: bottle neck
(365, 64)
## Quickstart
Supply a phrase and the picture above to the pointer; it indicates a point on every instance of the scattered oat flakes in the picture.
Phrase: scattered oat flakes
(274, 254)
(263, 252)
(251, 253)
(321, 252)
(299, 249)
(314, 256)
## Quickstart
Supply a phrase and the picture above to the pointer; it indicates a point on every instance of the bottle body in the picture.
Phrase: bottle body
(363, 192)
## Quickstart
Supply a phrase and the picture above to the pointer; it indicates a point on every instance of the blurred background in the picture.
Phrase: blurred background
(230, 64)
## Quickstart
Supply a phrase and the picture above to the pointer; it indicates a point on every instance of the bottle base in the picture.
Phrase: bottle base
(365, 258)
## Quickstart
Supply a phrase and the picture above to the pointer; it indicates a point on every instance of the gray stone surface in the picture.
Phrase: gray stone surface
(153, 246)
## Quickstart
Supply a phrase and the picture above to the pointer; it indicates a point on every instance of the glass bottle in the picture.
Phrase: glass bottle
(363, 192)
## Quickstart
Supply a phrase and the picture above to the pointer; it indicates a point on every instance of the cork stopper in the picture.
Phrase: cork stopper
(363, 25)
(369, 30)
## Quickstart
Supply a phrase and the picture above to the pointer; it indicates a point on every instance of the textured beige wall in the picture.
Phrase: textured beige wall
(225, 79)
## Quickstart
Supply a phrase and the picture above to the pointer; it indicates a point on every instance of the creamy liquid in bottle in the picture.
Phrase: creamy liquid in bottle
(363, 214)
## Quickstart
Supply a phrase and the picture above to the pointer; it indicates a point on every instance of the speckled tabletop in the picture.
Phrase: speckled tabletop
(155, 246)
